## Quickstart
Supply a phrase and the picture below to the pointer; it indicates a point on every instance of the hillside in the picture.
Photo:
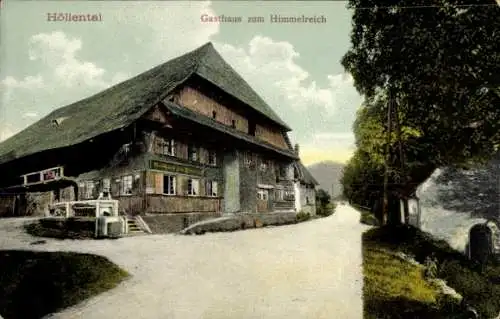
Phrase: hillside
(328, 175)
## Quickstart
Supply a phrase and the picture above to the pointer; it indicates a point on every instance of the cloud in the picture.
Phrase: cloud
(30, 114)
(321, 116)
(5, 133)
(166, 31)
(271, 68)
(29, 82)
(58, 52)
(64, 78)
(160, 32)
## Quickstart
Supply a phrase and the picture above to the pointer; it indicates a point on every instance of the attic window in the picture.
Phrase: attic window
(58, 121)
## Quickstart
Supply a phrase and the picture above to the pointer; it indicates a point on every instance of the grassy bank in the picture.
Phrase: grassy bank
(35, 284)
(396, 289)
(366, 217)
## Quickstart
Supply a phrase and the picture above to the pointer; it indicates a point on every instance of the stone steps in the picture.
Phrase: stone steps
(133, 228)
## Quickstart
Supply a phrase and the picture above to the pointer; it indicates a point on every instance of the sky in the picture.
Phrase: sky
(295, 68)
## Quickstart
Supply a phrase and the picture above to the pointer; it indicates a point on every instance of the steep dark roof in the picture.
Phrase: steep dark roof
(122, 104)
(304, 175)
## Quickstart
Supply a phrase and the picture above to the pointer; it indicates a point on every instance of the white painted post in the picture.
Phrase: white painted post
(67, 210)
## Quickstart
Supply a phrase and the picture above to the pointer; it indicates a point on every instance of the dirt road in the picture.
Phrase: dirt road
(308, 270)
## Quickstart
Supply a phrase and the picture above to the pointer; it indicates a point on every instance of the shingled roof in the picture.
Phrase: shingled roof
(122, 104)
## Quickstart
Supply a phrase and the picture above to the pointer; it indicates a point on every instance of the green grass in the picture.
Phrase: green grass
(367, 218)
(390, 283)
(35, 284)
(394, 288)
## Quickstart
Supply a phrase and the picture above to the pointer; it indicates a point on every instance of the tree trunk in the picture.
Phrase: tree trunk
(406, 208)
(385, 211)
(394, 209)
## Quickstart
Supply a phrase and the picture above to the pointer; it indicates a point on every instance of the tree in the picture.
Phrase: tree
(441, 61)
(322, 197)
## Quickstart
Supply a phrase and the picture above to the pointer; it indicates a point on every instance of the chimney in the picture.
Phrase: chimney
(296, 148)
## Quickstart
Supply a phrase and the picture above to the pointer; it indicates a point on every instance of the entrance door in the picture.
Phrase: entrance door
(262, 200)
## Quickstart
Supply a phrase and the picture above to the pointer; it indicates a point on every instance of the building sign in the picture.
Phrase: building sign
(170, 167)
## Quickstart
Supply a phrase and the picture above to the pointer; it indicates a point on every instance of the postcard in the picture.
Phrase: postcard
(249, 159)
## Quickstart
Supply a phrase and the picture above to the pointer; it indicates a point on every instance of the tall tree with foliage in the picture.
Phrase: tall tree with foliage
(439, 61)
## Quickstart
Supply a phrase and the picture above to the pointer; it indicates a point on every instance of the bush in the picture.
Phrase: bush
(62, 229)
(302, 216)
(367, 218)
(326, 210)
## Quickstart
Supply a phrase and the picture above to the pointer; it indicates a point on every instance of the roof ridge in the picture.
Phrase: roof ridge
(204, 50)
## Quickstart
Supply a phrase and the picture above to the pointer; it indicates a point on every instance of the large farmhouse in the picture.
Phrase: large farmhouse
(187, 138)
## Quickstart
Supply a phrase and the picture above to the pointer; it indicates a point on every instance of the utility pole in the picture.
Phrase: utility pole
(402, 179)
(385, 206)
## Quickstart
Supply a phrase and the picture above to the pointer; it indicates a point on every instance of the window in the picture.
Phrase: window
(126, 185)
(280, 194)
(126, 148)
(165, 146)
(169, 147)
(262, 194)
(193, 187)
(211, 188)
(251, 128)
(106, 185)
(282, 170)
(263, 166)
(168, 184)
(89, 187)
(192, 153)
(248, 158)
(307, 200)
(233, 123)
(214, 115)
(212, 158)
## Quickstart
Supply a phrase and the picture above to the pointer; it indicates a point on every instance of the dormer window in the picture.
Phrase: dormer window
(56, 122)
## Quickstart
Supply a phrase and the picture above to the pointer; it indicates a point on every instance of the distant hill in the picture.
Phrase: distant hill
(328, 175)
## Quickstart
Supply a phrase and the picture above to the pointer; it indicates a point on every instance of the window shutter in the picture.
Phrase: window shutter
(201, 155)
(158, 183)
(202, 187)
(174, 150)
(214, 189)
(115, 187)
(97, 189)
(184, 186)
